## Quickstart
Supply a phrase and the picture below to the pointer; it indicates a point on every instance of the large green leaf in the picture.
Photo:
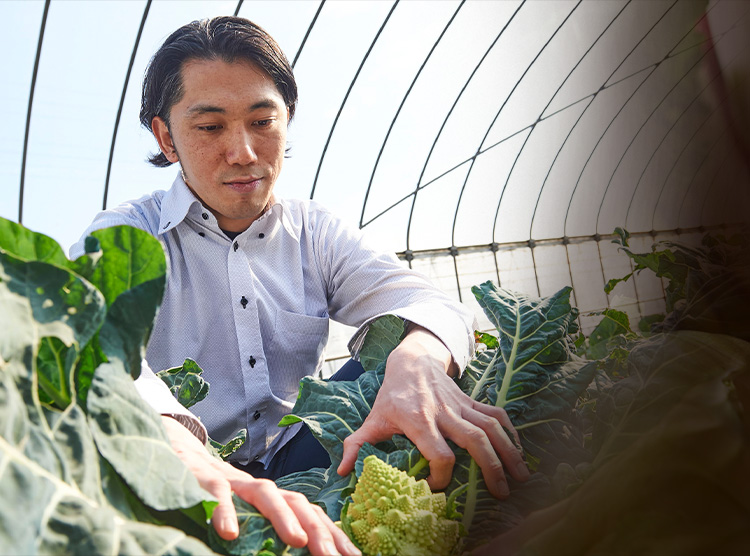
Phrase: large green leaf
(534, 374)
(30, 246)
(60, 494)
(535, 344)
(334, 409)
(127, 327)
(537, 379)
(673, 479)
(41, 300)
(131, 274)
(50, 474)
(129, 434)
(383, 335)
(130, 257)
(62, 305)
(308, 482)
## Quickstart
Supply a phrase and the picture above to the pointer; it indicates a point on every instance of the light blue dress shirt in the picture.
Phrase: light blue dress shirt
(253, 311)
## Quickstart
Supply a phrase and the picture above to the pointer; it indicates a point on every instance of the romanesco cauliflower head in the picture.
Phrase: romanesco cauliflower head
(392, 514)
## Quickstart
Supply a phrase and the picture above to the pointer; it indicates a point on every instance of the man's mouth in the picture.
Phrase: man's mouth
(243, 185)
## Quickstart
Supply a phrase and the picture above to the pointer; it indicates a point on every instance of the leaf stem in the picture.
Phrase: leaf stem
(59, 398)
(509, 371)
(535, 423)
(485, 376)
(451, 502)
(417, 467)
(471, 495)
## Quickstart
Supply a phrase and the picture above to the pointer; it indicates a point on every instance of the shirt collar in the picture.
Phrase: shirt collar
(176, 204)
(280, 214)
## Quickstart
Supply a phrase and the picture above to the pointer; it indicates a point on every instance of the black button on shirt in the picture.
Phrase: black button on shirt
(256, 415)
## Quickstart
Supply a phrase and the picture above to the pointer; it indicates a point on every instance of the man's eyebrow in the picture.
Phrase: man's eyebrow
(265, 103)
(199, 109)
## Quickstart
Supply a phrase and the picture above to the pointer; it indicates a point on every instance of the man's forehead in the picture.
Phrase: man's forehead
(206, 81)
(200, 65)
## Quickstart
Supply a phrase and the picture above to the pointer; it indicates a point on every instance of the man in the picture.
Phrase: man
(253, 279)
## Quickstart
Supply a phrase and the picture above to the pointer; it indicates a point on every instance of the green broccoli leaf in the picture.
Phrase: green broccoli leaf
(186, 382)
(383, 335)
(309, 482)
(335, 409)
(257, 536)
(59, 491)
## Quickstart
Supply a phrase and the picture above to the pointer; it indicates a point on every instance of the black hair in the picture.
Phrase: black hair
(224, 38)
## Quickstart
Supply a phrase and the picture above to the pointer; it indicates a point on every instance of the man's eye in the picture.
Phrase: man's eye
(208, 127)
(263, 123)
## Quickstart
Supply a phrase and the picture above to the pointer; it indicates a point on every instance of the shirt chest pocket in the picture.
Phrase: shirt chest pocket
(296, 351)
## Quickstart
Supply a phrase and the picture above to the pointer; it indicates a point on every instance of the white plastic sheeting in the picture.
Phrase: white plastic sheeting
(499, 140)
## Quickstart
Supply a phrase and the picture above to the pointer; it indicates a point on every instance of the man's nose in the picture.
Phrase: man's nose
(240, 149)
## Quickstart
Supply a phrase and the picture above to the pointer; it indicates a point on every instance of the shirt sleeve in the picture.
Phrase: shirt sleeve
(365, 284)
(153, 390)
(123, 215)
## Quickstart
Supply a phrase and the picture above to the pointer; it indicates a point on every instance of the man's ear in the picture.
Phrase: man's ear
(164, 138)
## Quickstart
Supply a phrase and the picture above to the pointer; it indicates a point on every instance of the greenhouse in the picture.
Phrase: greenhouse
(587, 154)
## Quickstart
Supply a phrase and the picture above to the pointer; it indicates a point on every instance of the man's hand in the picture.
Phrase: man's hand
(294, 519)
(420, 400)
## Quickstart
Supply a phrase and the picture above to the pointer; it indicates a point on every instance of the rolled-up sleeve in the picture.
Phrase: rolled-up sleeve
(365, 284)
(156, 394)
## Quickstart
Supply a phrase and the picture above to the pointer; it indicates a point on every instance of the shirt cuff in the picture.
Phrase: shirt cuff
(157, 394)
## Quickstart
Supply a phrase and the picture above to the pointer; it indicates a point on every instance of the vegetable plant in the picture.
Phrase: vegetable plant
(636, 436)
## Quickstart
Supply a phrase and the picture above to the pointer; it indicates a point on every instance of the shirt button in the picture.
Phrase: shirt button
(243, 301)
(256, 458)
(256, 415)
(261, 235)
(252, 361)
(236, 246)
(201, 234)
(205, 216)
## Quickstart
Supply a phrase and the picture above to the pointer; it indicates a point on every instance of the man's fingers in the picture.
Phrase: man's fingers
(372, 431)
(324, 537)
(268, 499)
(475, 440)
(352, 444)
(436, 451)
(224, 518)
(497, 434)
(342, 541)
(501, 415)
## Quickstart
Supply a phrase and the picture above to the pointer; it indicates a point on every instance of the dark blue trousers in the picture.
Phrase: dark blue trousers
(302, 452)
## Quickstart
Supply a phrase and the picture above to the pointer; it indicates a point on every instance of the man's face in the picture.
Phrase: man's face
(229, 134)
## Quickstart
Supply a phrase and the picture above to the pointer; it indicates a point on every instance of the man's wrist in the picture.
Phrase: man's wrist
(451, 366)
